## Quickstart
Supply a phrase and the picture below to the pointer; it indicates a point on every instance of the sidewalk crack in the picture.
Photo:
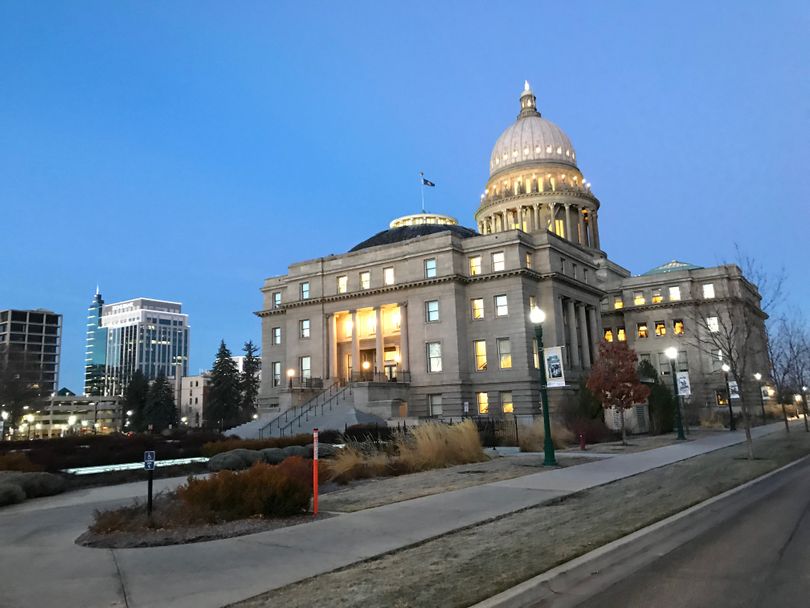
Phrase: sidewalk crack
(122, 586)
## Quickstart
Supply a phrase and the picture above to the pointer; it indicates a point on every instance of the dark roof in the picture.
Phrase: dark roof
(405, 233)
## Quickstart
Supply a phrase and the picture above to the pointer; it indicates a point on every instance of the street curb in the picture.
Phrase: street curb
(535, 589)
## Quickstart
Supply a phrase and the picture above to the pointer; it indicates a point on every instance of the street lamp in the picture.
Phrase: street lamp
(290, 374)
(672, 355)
(758, 378)
(537, 316)
(731, 426)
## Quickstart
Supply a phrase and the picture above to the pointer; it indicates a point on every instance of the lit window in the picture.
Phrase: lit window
(657, 297)
(532, 303)
(713, 323)
(276, 299)
(276, 365)
(501, 307)
(432, 311)
(342, 284)
(504, 353)
(477, 308)
(708, 291)
(660, 328)
(529, 261)
(559, 225)
(674, 294)
(305, 290)
(483, 403)
(305, 367)
(498, 262)
(507, 406)
(677, 327)
(434, 356)
(638, 298)
(388, 275)
(276, 335)
(618, 302)
(621, 335)
(365, 280)
(642, 330)
(475, 265)
(608, 335)
(535, 354)
(480, 353)
(430, 268)
(303, 328)
(435, 405)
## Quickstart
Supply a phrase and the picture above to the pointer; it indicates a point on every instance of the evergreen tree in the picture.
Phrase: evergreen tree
(224, 396)
(160, 411)
(135, 396)
(660, 403)
(250, 381)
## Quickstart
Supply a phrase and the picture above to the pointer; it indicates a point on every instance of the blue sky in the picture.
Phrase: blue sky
(187, 150)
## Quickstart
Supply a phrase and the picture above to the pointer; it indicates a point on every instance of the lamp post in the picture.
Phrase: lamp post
(71, 422)
(290, 374)
(3, 418)
(672, 355)
(537, 316)
(758, 378)
(29, 418)
(731, 425)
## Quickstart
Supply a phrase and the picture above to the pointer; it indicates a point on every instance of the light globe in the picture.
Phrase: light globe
(757, 376)
(536, 315)
(725, 367)
(671, 353)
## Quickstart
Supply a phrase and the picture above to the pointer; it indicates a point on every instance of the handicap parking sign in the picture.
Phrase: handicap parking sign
(149, 460)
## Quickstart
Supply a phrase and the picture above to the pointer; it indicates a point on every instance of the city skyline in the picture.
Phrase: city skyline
(253, 144)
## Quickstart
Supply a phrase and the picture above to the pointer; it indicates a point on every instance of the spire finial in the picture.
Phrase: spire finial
(98, 291)
(528, 102)
(526, 86)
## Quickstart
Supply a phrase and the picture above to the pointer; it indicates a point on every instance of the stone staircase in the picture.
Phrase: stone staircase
(250, 430)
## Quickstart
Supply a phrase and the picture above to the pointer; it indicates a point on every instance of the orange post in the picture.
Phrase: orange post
(314, 472)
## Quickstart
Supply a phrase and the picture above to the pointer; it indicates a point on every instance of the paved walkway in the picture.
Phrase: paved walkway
(43, 567)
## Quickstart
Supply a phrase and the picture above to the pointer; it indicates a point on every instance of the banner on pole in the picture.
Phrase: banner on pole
(555, 374)
(733, 389)
(684, 388)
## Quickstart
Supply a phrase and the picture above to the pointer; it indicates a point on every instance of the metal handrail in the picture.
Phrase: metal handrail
(314, 406)
(266, 429)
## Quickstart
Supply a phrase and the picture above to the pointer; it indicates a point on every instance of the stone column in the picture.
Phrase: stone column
(568, 234)
(536, 215)
(583, 328)
(552, 208)
(594, 230)
(355, 344)
(403, 337)
(333, 350)
(572, 334)
(595, 335)
(378, 346)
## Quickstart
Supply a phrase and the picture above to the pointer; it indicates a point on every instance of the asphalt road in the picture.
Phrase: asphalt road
(757, 557)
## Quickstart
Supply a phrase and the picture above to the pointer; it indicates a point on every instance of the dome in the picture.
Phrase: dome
(405, 233)
(531, 139)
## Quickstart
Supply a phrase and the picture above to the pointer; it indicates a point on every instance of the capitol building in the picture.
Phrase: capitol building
(430, 318)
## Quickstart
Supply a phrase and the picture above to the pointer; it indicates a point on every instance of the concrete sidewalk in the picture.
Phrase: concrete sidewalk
(49, 570)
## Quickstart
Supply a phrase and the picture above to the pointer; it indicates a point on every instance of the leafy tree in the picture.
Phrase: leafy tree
(160, 411)
(135, 395)
(15, 391)
(614, 379)
(249, 381)
(224, 396)
(660, 403)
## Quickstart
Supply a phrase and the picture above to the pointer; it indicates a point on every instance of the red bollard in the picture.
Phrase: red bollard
(582, 441)
(315, 472)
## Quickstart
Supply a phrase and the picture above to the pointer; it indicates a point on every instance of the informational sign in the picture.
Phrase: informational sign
(149, 460)
(733, 389)
(555, 375)
(684, 388)
(466, 407)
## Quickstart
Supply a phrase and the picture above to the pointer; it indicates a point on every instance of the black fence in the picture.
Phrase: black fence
(372, 376)
(497, 430)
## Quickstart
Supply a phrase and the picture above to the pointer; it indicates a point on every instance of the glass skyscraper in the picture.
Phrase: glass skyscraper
(95, 357)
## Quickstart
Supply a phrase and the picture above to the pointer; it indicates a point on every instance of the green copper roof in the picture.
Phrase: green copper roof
(673, 266)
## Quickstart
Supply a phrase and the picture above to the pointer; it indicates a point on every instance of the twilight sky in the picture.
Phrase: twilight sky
(187, 150)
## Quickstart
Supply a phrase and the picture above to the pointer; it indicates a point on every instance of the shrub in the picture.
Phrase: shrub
(531, 437)
(351, 463)
(435, 445)
(594, 430)
(369, 432)
(17, 461)
(35, 485)
(233, 443)
(10, 494)
(273, 455)
(714, 420)
(263, 489)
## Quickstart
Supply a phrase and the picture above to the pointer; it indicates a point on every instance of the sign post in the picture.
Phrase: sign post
(149, 465)
(314, 472)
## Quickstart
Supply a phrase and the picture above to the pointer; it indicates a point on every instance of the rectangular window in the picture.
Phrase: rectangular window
(660, 328)
(482, 399)
(532, 303)
(642, 330)
(276, 299)
(677, 327)
(638, 298)
(304, 290)
(562, 265)
(621, 334)
(435, 405)
(432, 311)
(713, 324)
(683, 363)
(276, 335)
(708, 291)
(507, 406)
(434, 356)
(276, 365)
(430, 268)
(477, 308)
(501, 307)
(608, 335)
(303, 328)
(365, 280)
(342, 284)
(305, 367)
(657, 296)
(618, 302)
(504, 353)
(475, 265)
(529, 261)
(388, 275)
(498, 262)
(480, 353)
(674, 294)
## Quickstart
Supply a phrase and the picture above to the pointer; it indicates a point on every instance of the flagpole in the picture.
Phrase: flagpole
(422, 188)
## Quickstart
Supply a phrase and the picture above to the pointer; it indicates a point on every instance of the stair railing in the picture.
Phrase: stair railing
(330, 400)
(295, 412)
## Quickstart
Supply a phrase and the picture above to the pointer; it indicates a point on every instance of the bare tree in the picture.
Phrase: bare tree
(797, 345)
(781, 353)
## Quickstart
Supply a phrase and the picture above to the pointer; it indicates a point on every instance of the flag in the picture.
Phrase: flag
(427, 182)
